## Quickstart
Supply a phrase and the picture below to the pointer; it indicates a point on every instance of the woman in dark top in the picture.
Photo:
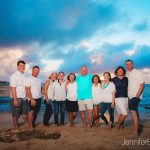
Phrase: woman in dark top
(121, 100)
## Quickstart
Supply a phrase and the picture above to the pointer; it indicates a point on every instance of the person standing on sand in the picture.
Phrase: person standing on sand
(19, 103)
(59, 102)
(108, 99)
(71, 102)
(33, 89)
(121, 96)
(135, 89)
(84, 86)
(49, 98)
(96, 93)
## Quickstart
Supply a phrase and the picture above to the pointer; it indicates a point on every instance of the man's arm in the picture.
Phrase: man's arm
(13, 84)
(28, 92)
(14, 96)
(113, 99)
(141, 88)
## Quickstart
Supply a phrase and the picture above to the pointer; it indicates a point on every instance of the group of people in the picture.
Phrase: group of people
(84, 93)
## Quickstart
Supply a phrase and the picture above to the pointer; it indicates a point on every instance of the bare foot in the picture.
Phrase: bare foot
(72, 124)
(89, 127)
(30, 128)
(84, 125)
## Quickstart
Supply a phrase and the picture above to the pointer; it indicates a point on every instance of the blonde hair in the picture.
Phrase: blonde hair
(53, 73)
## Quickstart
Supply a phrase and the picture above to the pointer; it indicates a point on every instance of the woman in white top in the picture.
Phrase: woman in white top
(71, 102)
(49, 97)
(96, 94)
(59, 98)
(108, 99)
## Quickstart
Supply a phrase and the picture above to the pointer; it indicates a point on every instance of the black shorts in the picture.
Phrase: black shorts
(71, 106)
(133, 103)
(37, 106)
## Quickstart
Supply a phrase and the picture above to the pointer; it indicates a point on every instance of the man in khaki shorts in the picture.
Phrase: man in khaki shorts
(84, 83)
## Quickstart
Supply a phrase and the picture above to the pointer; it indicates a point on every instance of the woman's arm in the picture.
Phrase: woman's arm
(47, 83)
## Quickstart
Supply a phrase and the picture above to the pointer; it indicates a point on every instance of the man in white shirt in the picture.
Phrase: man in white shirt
(19, 103)
(135, 89)
(33, 89)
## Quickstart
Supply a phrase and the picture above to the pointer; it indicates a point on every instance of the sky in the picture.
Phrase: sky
(63, 35)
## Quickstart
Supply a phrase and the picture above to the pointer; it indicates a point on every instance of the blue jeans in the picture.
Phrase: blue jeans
(59, 106)
(103, 108)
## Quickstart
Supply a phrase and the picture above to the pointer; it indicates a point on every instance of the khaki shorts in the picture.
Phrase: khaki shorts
(85, 104)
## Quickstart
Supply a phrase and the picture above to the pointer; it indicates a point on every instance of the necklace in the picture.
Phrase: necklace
(105, 85)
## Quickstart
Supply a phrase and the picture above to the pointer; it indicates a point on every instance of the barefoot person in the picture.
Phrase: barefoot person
(96, 93)
(49, 97)
(60, 99)
(135, 89)
(84, 84)
(71, 102)
(108, 99)
(33, 89)
(121, 96)
(19, 103)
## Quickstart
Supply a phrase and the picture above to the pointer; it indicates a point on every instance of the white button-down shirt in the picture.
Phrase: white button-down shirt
(18, 80)
(135, 78)
(35, 84)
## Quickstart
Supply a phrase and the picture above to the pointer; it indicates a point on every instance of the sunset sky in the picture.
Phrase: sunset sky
(62, 35)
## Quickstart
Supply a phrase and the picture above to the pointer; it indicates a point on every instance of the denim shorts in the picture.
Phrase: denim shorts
(22, 109)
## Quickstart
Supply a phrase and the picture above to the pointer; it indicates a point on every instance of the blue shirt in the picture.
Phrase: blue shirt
(84, 87)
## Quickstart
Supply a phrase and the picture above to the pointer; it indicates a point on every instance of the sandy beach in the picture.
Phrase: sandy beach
(77, 138)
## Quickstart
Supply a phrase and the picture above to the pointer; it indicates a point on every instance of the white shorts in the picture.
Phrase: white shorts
(121, 105)
(85, 104)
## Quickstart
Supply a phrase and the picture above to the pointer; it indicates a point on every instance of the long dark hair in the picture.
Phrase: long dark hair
(99, 81)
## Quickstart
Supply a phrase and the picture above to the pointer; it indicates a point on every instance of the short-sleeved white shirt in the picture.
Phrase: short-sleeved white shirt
(60, 91)
(135, 78)
(18, 80)
(107, 92)
(35, 84)
(72, 91)
(96, 94)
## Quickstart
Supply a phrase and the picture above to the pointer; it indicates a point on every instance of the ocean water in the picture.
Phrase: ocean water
(144, 106)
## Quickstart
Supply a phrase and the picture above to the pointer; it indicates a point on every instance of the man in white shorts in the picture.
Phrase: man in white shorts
(84, 83)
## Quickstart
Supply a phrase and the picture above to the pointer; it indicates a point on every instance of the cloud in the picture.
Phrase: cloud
(64, 35)
(142, 26)
(141, 57)
(8, 63)
(27, 21)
